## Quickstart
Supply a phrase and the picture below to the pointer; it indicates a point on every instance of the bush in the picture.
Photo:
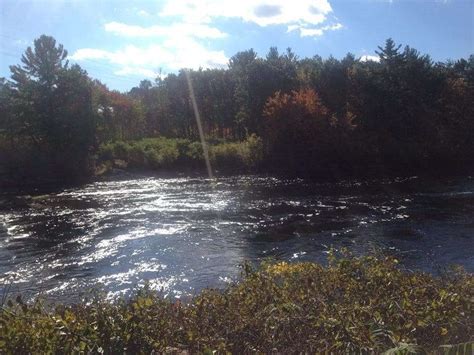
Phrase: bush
(24, 162)
(167, 153)
(252, 151)
(195, 152)
(354, 304)
(226, 156)
(150, 153)
(243, 156)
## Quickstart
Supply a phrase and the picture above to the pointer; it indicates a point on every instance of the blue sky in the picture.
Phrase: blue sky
(122, 42)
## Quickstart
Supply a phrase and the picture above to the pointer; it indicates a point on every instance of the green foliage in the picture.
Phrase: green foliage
(316, 117)
(252, 151)
(152, 153)
(238, 156)
(355, 304)
(401, 115)
(49, 115)
(168, 153)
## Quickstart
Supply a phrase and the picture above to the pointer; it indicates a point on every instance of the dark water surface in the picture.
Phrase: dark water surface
(183, 234)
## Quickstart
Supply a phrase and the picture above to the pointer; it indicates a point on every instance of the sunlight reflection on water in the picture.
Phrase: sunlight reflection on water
(182, 234)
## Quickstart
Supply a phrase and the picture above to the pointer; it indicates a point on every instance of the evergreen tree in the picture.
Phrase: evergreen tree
(52, 109)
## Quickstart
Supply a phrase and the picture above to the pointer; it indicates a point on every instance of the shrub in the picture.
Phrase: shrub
(235, 156)
(252, 151)
(159, 153)
(354, 304)
(121, 150)
(226, 156)
(195, 151)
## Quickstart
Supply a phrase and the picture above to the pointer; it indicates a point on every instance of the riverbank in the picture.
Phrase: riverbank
(180, 155)
(354, 304)
(174, 157)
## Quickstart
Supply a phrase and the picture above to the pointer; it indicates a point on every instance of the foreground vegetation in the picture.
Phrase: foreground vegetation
(400, 114)
(354, 304)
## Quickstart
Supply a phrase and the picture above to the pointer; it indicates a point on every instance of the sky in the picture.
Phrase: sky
(123, 42)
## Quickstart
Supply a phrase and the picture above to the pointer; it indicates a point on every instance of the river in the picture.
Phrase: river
(183, 234)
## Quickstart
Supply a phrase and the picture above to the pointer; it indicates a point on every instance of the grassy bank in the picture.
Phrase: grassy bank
(353, 304)
(181, 154)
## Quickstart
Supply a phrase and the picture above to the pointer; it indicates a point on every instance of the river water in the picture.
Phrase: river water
(183, 234)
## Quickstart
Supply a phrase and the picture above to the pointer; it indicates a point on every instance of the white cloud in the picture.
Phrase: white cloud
(177, 29)
(316, 32)
(366, 58)
(172, 55)
(179, 47)
(307, 16)
(334, 27)
(311, 32)
(137, 71)
(128, 56)
(89, 53)
(292, 28)
(178, 40)
(260, 12)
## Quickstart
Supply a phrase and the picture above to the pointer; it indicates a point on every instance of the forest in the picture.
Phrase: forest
(345, 194)
(312, 117)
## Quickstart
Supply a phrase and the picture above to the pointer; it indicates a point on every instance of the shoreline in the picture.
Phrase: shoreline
(117, 174)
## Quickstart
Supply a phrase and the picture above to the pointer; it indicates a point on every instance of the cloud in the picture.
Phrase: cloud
(310, 32)
(89, 53)
(314, 32)
(267, 10)
(172, 55)
(179, 39)
(366, 58)
(307, 16)
(174, 30)
(260, 12)
(137, 71)
(128, 56)
(292, 28)
(179, 47)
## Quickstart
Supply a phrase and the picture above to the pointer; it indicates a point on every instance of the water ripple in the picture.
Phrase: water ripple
(183, 234)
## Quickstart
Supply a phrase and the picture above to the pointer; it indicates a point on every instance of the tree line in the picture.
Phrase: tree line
(403, 113)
